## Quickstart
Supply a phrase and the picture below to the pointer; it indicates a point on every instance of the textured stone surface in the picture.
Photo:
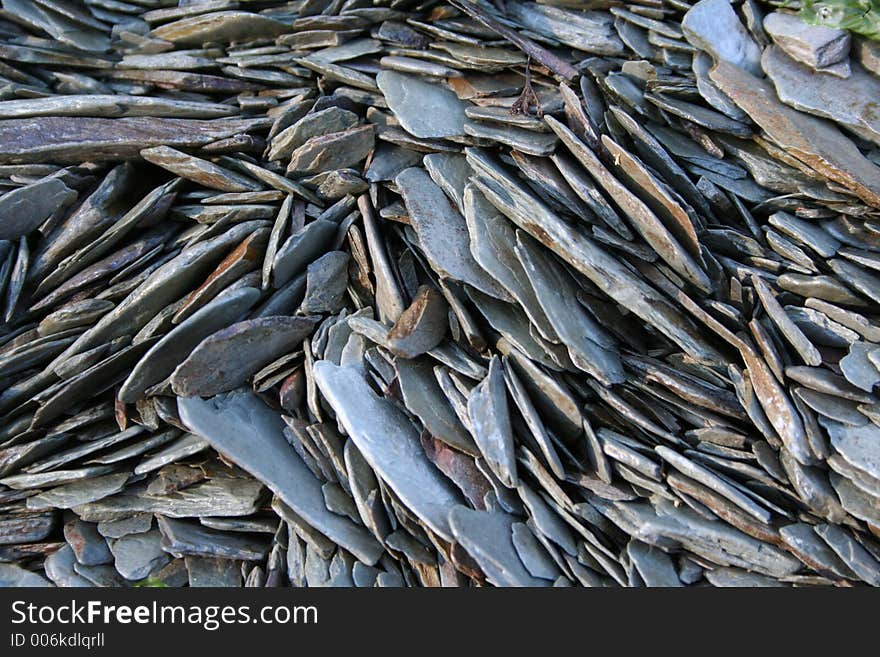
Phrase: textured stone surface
(408, 97)
(713, 26)
(851, 103)
(815, 45)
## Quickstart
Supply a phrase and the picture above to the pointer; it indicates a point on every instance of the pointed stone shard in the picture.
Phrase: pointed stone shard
(198, 170)
(25, 208)
(300, 249)
(585, 255)
(326, 282)
(654, 566)
(713, 26)
(425, 399)
(442, 232)
(589, 345)
(243, 428)
(785, 324)
(336, 150)
(400, 461)
(642, 217)
(163, 357)
(490, 419)
(420, 327)
(72, 139)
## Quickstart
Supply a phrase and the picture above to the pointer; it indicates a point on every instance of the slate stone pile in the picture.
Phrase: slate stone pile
(421, 293)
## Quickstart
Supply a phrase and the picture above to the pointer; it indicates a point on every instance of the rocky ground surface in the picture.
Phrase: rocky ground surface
(419, 293)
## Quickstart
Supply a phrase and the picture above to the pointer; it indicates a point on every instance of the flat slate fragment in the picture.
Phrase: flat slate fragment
(229, 422)
(224, 360)
(851, 103)
(182, 538)
(442, 231)
(64, 140)
(815, 45)
(713, 26)
(25, 208)
(336, 150)
(488, 538)
(163, 357)
(490, 419)
(201, 171)
(12, 575)
(401, 464)
(220, 26)
(408, 96)
(815, 142)
(227, 495)
(138, 555)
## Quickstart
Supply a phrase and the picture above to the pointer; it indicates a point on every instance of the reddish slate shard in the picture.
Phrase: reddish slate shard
(459, 467)
(815, 142)
(246, 257)
(422, 325)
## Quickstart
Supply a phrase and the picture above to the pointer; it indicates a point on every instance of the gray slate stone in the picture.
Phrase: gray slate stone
(713, 26)
(487, 537)
(136, 524)
(240, 426)
(815, 45)
(301, 248)
(401, 462)
(858, 368)
(326, 282)
(442, 232)
(424, 109)
(80, 492)
(227, 358)
(59, 568)
(653, 565)
(182, 538)
(25, 208)
(534, 556)
(227, 496)
(336, 150)
(88, 545)
(138, 555)
(12, 575)
(851, 103)
(209, 572)
(490, 420)
(856, 557)
(867, 52)
(160, 361)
